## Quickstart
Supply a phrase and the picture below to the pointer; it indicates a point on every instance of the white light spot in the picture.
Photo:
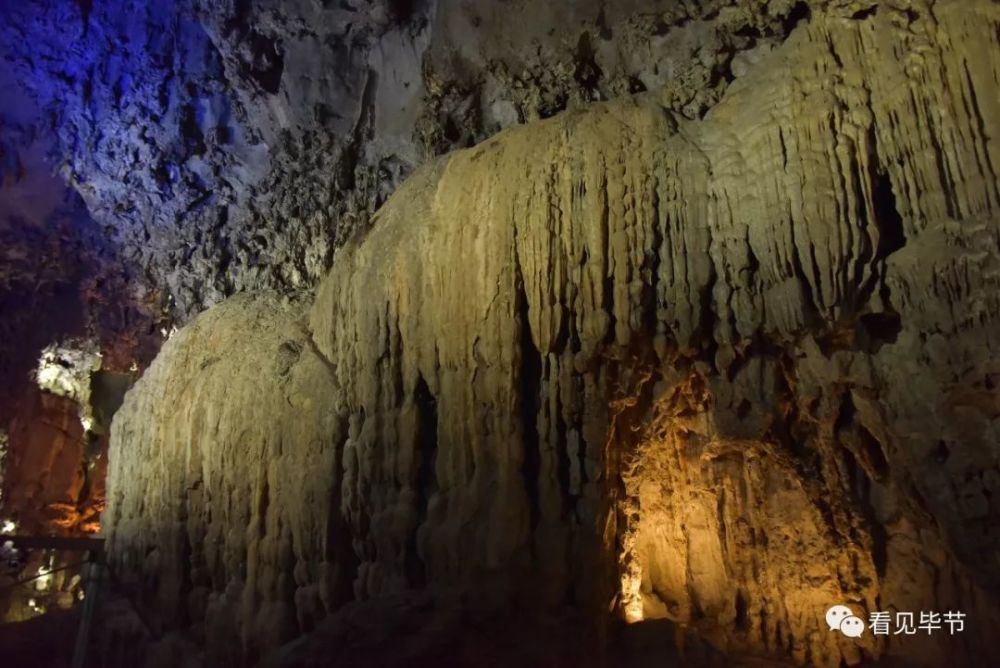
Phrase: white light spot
(44, 579)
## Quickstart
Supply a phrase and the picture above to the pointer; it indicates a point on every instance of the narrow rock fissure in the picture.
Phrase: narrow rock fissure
(426, 482)
(887, 218)
(530, 379)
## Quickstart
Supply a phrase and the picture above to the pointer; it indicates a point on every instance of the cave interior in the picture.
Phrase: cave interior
(499, 333)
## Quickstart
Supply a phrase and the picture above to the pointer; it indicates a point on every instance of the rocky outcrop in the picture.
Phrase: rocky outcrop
(146, 153)
(59, 281)
(724, 371)
(229, 487)
(189, 127)
(47, 462)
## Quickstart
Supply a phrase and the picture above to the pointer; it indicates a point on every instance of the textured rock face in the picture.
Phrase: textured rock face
(60, 279)
(189, 127)
(52, 487)
(228, 498)
(726, 371)
(147, 149)
(53, 484)
(59, 276)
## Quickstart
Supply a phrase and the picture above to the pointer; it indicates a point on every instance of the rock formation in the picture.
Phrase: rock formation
(148, 150)
(725, 371)
(189, 127)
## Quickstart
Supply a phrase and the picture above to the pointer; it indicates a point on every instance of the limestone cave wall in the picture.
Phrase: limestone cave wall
(724, 370)
(156, 158)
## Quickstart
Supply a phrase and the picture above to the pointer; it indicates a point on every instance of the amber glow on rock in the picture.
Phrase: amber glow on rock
(632, 597)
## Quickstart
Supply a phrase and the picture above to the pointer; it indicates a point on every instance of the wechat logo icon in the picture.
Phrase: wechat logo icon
(841, 618)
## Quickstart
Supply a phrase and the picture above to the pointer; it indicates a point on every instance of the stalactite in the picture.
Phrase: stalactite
(694, 366)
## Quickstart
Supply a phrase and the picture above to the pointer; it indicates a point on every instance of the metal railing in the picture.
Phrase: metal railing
(97, 579)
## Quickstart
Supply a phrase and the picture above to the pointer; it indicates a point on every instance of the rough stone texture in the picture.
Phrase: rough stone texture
(53, 483)
(158, 157)
(234, 467)
(189, 127)
(60, 279)
(724, 371)
(51, 487)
